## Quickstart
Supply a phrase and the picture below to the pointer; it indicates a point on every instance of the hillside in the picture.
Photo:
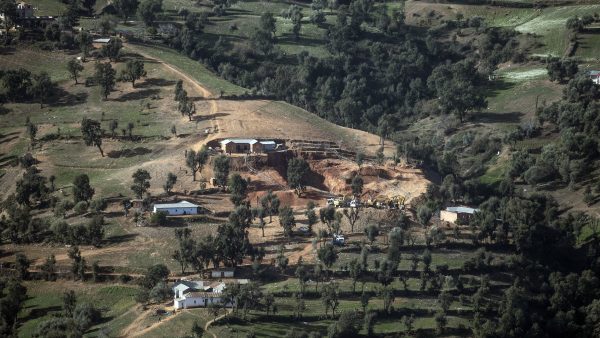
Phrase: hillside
(479, 218)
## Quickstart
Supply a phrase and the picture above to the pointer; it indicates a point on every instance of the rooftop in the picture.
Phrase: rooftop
(594, 72)
(267, 142)
(182, 204)
(102, 40)
(462, 210)
(239, 140)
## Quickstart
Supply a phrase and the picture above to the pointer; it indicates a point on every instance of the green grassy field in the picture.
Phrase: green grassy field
(45, 300)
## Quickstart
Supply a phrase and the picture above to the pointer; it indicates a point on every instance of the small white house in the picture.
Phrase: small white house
(595, 76)
(179, 208)
(454, 214)
(223, 273)
(268, 145)
(189, 294)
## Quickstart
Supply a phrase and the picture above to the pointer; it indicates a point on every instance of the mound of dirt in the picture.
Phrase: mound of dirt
(389, 180)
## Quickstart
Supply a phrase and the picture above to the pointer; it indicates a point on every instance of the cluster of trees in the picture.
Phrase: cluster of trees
(186, 106)
(20, 85)
(389, 79)
(569, 159)
(75, 319)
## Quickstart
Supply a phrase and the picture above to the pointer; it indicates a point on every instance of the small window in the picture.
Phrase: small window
(194, 302)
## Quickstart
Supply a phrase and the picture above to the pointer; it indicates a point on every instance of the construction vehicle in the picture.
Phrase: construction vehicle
(338, 239)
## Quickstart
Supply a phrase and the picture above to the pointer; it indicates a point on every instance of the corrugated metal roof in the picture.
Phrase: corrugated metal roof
(239, 140)
(267, 142)
(462, 210)
(182, 204)
(594, 72)
(202, 294)
(102, 40)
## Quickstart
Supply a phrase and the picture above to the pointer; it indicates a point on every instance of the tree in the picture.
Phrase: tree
(281, 259)
(9, 9)
(49, 268)
(267, 23)
(148, 9)
(112, 126)
(426, 260)
(112, 49)
(126, 8)
(82, 190)
(296, 172)
(352, 214)
(440, 321)
(357, 185)
(96, 272)
(134, 70)
(92, 133)
(327, 255)
(69, 303)
(287, 220)
(348, 324)
(105, 76)
(84, 40)
(330, 298)
(196, 160)
(356, 272)
(170, 183)
(270, 203)
(78, 266)
(360, 158)
(161, 292)
(130, 127)
(371, 231)
(187, 246)
(296, 15)
(141, 182)
(424, 214)
(311, 217)
(369, 322)
(238, 187)
(41, 87)
(74, 67)
(197, 330)
(89, 6)
(22, 266)
(155, 274)
(32, 130)
(387, 294)
(221, 170)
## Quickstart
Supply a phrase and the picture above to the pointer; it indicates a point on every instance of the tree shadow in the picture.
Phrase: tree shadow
(154, 82)
(120, 239)
(138, 95)
(62, 98)
(41, 312)
(488, 117)
(128, 152)
(4, 110)
(7, 50)
(208, 117)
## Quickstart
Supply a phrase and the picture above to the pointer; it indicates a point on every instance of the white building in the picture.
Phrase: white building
(179, 208)
(188, 294)
(244, 146)
(595, 76)
(455, 214)
(223, 273)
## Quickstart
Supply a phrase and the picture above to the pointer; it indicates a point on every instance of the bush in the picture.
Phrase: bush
(98, 204)
(124, 278)
(81, 207)
(158, 219)
(62, 207)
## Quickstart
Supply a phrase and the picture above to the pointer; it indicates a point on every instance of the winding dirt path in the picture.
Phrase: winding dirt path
(210, 322)
(208, 95)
